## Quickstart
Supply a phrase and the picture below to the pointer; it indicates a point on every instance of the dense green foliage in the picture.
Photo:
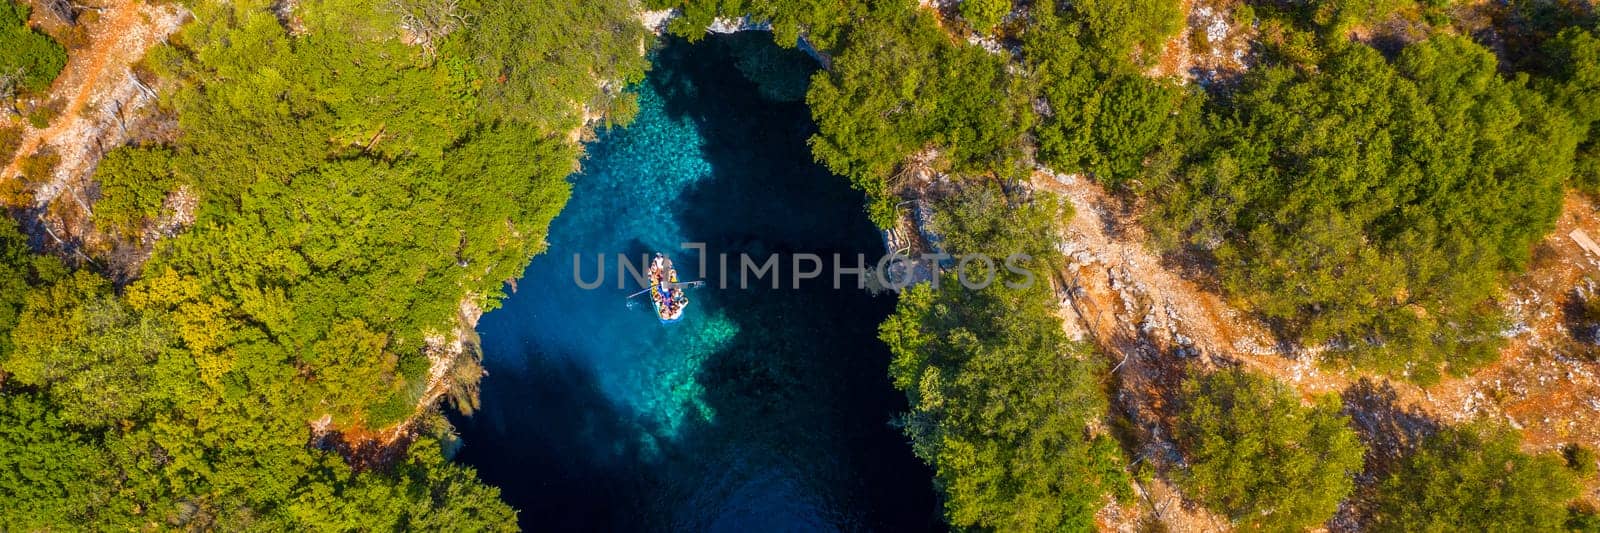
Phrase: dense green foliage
(46, 467)
(356, 190)
(1574, 83)
(902, 98)
(820, 22)
(1259, 457)
(31, 60)
(540, 71)
(1475, 477)
(1125, 30)
(368, 207)
(984, 15)
(133, 184)
(19, 270)
(1375, 204)
(901, 88)
(1002, 403)
(1105, 117)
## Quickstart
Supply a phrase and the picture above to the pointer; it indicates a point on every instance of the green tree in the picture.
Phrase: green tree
(32, 60)
(984, 15)
(1002, 403)
(1105, 117)
(93, 354)
(1474, 478)
(20, 270)
(1135, 31)
(51, 477)
(1574, 83)
(541, 61)
(134, 182)
(356, 188)
(902, 89)
(1374, 205)
(1261, 458)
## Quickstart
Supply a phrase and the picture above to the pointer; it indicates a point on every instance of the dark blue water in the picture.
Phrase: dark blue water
(763, 409)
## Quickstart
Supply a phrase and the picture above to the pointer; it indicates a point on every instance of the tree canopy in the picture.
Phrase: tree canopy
(1003, 405)
(1104, 116)
(1261, 458)
(1573, 82)
(360, 179)
(1374, 204)
(538, 71)
(901, 88)
(1475, 476)
(32, 60)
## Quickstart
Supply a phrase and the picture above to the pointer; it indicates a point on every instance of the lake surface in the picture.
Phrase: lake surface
(762, 410)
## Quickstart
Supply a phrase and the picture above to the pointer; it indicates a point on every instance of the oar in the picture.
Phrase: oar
(684, 284)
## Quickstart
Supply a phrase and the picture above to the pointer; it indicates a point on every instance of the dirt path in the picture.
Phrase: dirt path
(1158, 326)
(1126, 295)
(100, 91)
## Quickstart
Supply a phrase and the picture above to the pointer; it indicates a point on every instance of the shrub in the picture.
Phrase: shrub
(1372, 205)
(984, 15)
(1581, 460)
(133, 184)
(30, 55)
(1001, 400)
(1474, 478)
(1261, 458)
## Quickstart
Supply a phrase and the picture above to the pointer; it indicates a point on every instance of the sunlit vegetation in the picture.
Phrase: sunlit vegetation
(358, 180)
(899, 88)
(134, 182)
(31, 60)
(1105, 117)
(535, 70)
(1573, 81)
(1003, 405)
(1374, 204)
(367, 206)
(1129, 30)
(19, 271)
(1474, 476)
(984, 15)
(1259, 457)
(821, 22)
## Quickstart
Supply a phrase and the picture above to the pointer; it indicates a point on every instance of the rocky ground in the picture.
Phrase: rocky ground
(1156, 325)
(103, 104)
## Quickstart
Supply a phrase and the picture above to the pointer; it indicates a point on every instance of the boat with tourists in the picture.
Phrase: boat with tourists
(666, 293)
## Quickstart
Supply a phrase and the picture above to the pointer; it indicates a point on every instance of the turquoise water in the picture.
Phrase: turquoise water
(762, 409)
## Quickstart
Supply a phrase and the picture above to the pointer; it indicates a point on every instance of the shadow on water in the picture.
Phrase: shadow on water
(565, 473)
(799, 436)
(807, 369)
